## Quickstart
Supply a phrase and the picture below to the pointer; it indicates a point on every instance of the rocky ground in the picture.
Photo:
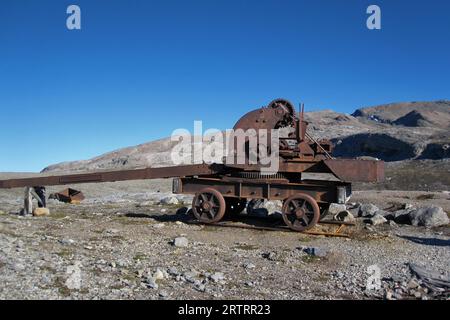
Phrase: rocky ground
(122, 242)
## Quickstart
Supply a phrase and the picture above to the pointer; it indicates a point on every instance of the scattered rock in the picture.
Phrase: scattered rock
(317, 252)
(163, 294)
(249, 265)
(336, 208)
(273, 206)
(430, 216)
(399, 216)
(353, 208)
(151, 283)
(170, 200)
(159, 275)
(18, 267)
(367, 210)
(344, 216)
(158, 225)
(180, 242)
(73, 282)
(377, 219)
(217, 277)
(173, 271)
(392, 224)
(67, 242)
(200, 287)
(39, 212)
(272, 256)
(191, 275)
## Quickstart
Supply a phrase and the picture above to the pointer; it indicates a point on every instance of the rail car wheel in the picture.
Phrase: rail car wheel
(208, 205)
(234, 206)
(301, 212)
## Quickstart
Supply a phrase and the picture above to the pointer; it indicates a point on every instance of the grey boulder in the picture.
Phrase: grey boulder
(430, 216)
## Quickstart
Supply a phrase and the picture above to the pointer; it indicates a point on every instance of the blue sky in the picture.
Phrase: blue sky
(137, 70)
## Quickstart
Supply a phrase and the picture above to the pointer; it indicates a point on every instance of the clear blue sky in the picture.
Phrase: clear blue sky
(139, 69)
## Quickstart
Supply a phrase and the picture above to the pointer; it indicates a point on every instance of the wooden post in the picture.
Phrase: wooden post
(28, 201)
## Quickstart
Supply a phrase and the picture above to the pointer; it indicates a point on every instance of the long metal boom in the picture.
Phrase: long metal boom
(111, 176)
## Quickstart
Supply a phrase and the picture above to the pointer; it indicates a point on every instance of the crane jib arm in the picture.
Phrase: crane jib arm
(112, 176)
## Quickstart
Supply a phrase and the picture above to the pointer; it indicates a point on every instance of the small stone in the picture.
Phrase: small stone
(392, 224)
(179, 223)
(163, 294)
(317, 252)
(140, 273)
(159, 275)
(158, 225)
(344, 216)
(163, 210)
(217, 277)
(173, 271)
(67, 241)
(377, 219)
(39, 212)
(388, 295)
(408, 206)
(73, 282)
(336, 208)
(273, 206)
(367, 210)
(399, 216)
(272, 256)
(18, 267)
(170, 200)
(190, 275)
(413, 284)
(200, 287)
(181, 242)
(151, 283)
(353, 208)
(249, 265)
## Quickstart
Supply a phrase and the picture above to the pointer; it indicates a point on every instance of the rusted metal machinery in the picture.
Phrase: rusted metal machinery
(68, 195)
(308, 178)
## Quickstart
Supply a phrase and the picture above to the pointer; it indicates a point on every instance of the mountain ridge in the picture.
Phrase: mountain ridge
(391, 132)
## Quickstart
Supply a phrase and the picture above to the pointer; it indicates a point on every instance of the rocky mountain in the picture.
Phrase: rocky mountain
(391, 132)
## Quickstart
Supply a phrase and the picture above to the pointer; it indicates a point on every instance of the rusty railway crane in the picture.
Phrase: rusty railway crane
(307, 181)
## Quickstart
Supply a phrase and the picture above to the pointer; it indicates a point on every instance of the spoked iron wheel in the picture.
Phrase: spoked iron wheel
(208, 206)
(301, 212)
(235, 206)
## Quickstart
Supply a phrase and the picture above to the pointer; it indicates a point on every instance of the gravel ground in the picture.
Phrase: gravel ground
(118, 244)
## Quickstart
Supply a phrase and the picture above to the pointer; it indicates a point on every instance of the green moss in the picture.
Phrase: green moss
(140, 257)
(246, 247)
(310, 258)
